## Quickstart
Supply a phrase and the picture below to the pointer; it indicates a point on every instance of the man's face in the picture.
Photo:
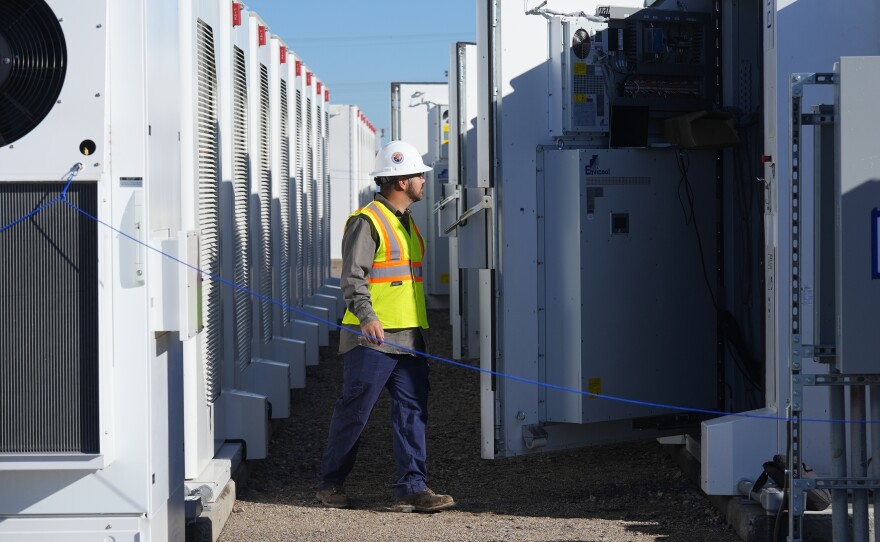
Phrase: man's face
(415, 187)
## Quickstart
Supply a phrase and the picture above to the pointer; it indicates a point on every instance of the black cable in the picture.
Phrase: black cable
(729, 327)
(683, 162)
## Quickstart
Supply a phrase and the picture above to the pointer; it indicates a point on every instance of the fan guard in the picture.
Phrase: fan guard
(581, 43)
(33, 63)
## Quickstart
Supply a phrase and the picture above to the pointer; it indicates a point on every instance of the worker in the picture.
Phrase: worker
(381, 282)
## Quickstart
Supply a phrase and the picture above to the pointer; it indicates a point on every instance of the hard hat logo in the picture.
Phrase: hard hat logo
(397, 158)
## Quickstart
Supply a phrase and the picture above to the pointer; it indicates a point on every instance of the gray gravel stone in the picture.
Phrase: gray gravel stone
(616, 493)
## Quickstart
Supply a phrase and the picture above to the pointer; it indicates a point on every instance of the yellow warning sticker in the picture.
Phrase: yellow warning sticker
(444, 278)
(594, 385)
(579, 98)
(580, 68)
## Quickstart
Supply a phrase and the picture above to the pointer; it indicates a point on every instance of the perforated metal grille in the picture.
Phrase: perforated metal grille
(588, 84)
(49, 321)
(284, 204)
(265, 194)
(241, 205)
(209, 210)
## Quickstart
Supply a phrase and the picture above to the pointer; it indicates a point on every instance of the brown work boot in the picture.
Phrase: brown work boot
(424, 501)
(333, 497)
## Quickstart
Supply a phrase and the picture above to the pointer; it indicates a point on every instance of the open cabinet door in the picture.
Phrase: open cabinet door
(600, 272)
(622, 308)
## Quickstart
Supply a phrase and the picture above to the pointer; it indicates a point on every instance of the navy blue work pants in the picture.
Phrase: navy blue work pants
(366, 372)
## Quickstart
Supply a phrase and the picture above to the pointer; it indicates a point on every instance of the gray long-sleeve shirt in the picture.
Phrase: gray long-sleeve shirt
(359, 244)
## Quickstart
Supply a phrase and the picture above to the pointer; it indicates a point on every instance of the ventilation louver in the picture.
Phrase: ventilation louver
(209, 209)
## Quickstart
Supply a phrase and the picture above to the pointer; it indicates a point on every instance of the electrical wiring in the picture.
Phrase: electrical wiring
(728, 325)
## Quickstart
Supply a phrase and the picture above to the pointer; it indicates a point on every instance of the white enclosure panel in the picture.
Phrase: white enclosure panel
(621, 260)
(859, 177)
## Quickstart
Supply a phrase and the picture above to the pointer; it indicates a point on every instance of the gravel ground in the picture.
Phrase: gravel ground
(624, 492)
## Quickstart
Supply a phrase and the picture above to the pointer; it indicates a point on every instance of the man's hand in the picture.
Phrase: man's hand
(373, 332)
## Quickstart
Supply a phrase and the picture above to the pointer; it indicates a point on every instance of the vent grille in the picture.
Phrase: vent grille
(299, 135)
(309, 212)
(241, 210)
(310, 172)
(209, 210)
(325, 264)
(49, 321)
(319, 198)
(298, 198)
(313, 233)
(265, 190)
(284, 204)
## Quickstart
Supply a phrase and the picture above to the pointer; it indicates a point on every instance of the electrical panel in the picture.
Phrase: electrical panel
(661, 59)
(626, 76)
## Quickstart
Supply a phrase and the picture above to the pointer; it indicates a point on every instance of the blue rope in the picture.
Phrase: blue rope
(30, 214)
(71, 175)
(73, 171)
(437, 358)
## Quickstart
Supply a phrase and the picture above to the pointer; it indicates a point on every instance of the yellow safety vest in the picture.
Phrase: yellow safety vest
(395, 281)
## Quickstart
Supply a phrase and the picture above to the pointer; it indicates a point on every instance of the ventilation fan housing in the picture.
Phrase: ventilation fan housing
(52, 89)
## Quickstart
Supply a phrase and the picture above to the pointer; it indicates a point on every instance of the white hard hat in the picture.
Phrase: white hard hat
(398, 158)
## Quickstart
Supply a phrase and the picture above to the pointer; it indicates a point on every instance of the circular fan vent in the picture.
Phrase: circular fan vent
(581, 43)
(33, 62)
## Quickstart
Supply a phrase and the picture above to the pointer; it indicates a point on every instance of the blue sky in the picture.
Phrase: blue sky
(358, 48)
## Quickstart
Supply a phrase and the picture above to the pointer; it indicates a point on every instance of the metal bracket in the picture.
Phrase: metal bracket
(815, 119)
(839, 483)
(799, 80)
(821, 353)
(485, 203)
(534, 436)
(440, 205)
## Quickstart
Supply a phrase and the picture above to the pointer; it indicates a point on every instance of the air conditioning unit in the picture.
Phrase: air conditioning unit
(313, 307)
(203, 322)
(91, 445)
(585, 81)
(54, 92)
(251, 386)
(290, 344)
